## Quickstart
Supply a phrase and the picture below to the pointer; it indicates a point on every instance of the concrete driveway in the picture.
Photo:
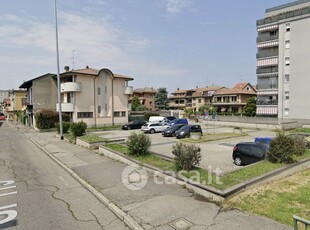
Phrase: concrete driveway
(216, 155)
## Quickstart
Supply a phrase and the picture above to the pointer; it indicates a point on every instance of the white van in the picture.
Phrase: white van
(158, 119)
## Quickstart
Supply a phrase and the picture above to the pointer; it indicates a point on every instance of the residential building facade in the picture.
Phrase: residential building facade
(41, 94)
(4, 94)
(97, 97)
(283, 53)
(146, 97)
(15, 102)
(233, 100)
(181, 99)
(204, 96)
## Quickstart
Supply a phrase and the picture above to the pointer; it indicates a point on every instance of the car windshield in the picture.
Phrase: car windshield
(184, 128)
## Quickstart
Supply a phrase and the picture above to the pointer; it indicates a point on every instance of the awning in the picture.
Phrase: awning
(268, 92)
(266, 110)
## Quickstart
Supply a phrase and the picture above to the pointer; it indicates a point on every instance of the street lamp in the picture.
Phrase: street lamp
(58, 77)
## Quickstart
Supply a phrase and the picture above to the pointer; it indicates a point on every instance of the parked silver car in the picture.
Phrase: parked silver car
(154, 127)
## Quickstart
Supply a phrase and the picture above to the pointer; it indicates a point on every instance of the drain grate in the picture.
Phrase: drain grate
(181, 224)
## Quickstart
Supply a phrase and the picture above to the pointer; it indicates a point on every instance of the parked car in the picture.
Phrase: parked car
(158, 119)
(179, 121)
(2, 117)
(153, 127)
(137, 124)
(170, 132)
(186, 131)
(249, 152)
(170, 118)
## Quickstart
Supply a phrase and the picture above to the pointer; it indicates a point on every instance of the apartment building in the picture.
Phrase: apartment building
(41, 94)
(204, 96)
(4, 94)
(97, 97)
(181, 99)
(15, 101)
(146, 97)
(233, 100)
(283, 54)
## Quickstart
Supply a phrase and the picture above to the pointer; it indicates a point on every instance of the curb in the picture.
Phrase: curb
(127, 219)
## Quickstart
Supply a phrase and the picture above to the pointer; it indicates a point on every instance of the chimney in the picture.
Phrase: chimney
(178, 88)
(67, 68)
(87, 67)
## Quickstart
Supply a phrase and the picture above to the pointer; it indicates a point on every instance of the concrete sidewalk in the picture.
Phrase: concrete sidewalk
(157, 205)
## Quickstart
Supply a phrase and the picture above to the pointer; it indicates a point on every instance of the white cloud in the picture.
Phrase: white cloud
(30, 43)
(176, 6)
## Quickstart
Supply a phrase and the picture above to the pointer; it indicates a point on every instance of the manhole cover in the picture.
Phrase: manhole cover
(181, 224)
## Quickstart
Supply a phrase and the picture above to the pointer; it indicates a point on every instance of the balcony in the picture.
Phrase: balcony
(128, 90)
(70, 87)
(266, 102)
(272, 61)
(65, 107)
(268, 44)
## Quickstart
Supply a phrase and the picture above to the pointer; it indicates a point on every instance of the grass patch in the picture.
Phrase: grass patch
(91, 138)
(279, 200)
(148, 159)
(301, 130)
(213, 137)
(70, 137)
(223, 182)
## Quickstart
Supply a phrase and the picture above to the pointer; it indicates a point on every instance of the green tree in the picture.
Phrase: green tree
(161, 99)
(135, 103)
(250, 107)
(202, 109)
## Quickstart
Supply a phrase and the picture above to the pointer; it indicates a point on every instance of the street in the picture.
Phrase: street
(36, 193)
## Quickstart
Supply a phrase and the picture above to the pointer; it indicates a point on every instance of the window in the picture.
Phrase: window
(287, 44)
(119, 113)
(273, 33)
(199, 100)
(286, 78)
(286, 95)
(287, 27)
(287, 61)
(84, 114)
(99, 109)
(99, 91)
(286, 112)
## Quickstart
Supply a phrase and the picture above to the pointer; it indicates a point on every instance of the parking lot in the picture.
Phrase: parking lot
(215, 154)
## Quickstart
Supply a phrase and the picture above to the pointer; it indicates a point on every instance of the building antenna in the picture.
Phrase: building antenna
(73, 51)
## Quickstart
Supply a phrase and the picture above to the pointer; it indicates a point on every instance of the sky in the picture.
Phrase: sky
(160, 43)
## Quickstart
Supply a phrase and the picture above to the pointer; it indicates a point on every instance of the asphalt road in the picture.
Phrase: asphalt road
(36, 193)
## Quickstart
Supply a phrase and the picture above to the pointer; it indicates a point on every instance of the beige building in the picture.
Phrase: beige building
(16, 101)
(283, 54)
(233, 100)
(97, 97)
(203, 96)
(181, 99)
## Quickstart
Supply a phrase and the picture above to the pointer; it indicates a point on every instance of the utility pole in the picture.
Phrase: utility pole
(58, 76)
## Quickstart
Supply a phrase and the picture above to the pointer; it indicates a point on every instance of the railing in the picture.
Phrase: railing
(267, 70)
(267, 102)
(301, 220)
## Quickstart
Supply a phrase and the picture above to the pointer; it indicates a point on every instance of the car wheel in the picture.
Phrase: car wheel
(173, 134)
(188, 135)
(128, 128)
(238, 161)
(152, 131)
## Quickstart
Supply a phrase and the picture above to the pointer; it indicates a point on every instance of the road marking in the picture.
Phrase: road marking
(9, 193)
(8, 187)
(7, 182)
(11, 214)
(8, 206)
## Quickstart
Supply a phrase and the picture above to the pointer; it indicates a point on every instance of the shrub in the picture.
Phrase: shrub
(46, 118)
(78, 129)
(138, 144)
(300, 145)
(65, 127)
(186, 156)
(281, 149)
